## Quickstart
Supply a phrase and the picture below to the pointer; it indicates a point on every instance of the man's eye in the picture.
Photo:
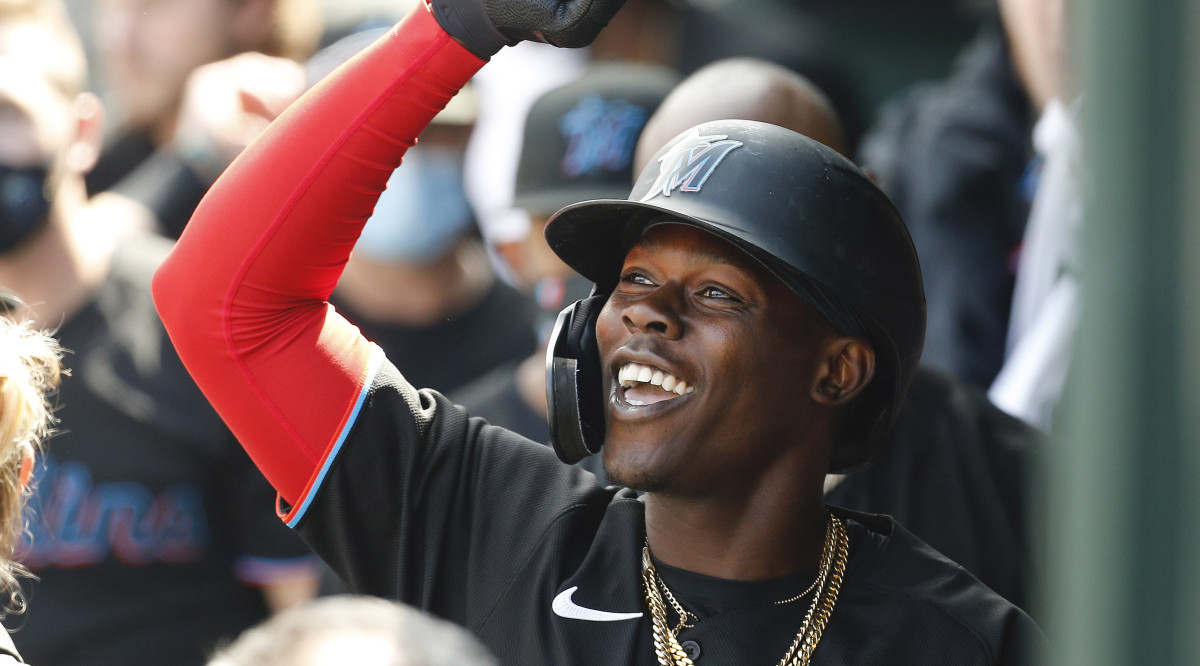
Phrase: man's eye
(636, 278)
(717, 292)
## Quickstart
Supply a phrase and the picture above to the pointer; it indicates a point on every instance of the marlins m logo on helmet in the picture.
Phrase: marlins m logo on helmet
(689, 162)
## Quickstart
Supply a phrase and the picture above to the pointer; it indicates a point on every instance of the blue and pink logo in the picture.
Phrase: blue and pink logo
(689, 162)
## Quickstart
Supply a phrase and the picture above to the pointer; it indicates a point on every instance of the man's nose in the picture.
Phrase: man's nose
(657, 312)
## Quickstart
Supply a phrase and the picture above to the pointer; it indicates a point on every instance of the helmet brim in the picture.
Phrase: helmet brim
(593, 237)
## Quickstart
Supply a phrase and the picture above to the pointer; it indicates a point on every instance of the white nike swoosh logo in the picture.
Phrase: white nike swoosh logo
(564, 607)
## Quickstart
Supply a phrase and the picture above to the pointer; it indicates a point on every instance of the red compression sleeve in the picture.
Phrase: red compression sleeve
(243, 294)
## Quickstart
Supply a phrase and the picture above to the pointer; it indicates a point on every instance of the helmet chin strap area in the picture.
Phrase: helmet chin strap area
(574, 383)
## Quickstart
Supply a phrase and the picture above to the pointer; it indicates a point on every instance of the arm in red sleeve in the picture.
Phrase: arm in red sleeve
(244, 294)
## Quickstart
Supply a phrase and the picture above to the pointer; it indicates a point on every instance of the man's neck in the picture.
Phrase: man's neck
(767, 536)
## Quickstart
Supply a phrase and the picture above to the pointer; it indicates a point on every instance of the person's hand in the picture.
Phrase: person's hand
(227, 104)
(484, 26)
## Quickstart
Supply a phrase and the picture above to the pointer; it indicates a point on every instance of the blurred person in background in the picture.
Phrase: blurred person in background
(1046, 295)
(954, 156)
(993, 206)
(955, 468)
(354, 631)
(420, 283)
(148, 531)
(578, 143)
(147, 49)
(30, 368)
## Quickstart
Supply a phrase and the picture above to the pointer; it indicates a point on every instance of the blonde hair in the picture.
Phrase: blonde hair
(30, 369)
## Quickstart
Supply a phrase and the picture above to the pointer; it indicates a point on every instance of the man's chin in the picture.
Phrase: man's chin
(637, 477)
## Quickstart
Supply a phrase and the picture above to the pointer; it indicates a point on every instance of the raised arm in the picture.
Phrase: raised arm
(244, 293)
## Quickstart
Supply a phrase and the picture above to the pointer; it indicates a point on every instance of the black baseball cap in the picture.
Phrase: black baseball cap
(580, 138)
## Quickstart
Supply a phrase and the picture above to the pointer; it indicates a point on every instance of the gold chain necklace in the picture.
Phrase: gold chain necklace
(679, 609)
(832, 569)
(684, 614)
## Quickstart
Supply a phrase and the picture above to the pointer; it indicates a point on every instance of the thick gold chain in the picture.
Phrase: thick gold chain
(828, 585)
(666, 646)
(832, 570)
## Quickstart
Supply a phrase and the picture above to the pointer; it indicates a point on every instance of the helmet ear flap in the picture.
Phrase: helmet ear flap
(574, 386)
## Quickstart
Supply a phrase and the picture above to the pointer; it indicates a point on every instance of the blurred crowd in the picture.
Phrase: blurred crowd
(153, 539)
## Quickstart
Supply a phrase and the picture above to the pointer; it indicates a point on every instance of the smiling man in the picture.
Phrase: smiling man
(756, 319)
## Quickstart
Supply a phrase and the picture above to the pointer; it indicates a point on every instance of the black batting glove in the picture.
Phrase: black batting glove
(484, 26)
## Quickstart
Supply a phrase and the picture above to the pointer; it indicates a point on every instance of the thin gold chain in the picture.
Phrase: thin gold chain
(683, 613)
(810, 588)
(831, 572)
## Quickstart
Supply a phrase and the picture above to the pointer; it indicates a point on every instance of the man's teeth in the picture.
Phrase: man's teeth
(636, 373)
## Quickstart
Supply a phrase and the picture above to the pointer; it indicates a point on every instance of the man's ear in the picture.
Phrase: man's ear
(88, 114)
(847, 368)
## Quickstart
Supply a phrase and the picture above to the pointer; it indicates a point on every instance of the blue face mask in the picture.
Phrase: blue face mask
(421, 213)
(24, 206)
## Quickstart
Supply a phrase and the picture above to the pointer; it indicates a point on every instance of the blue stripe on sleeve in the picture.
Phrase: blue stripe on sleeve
(373, 364)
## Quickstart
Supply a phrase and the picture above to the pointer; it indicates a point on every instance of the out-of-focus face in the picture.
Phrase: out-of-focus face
(531, 259)
(35, 119)
(709, 361)
(147, 49)
(38, 130)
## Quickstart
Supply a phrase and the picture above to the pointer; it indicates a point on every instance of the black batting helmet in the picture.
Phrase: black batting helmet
(809, 215)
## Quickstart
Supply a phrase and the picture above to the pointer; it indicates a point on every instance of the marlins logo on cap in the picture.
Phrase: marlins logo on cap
(687, 164)
(579, 138)
(600, 135)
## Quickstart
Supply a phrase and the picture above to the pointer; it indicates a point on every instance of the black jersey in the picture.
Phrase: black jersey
(956, 473)
(424, 504)
(495, 398)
